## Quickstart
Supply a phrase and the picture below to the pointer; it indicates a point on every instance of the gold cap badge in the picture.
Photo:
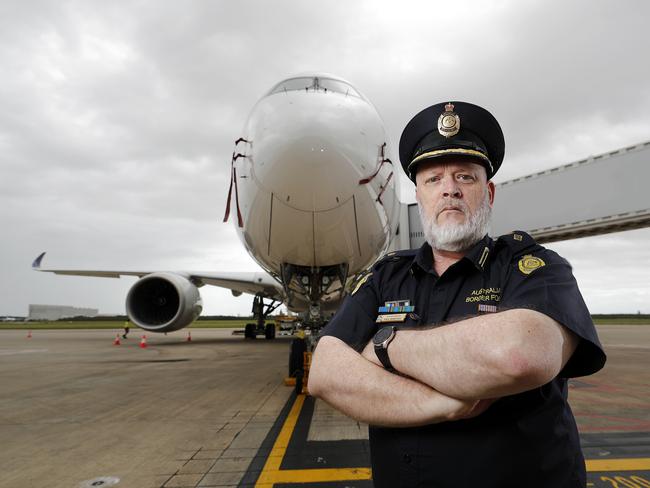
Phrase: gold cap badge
(449, 122)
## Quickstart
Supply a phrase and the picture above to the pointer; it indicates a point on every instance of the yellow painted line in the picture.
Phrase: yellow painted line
(630, 464)
(271, 473)
(274, 460)
(315, 475)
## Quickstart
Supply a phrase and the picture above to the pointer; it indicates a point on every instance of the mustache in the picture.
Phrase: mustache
(450, 204)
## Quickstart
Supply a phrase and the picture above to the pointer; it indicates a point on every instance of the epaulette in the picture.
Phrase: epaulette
(390, 257)
(518, 241)
(359, 281)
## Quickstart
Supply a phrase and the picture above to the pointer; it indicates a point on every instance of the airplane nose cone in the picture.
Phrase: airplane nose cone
(311, 149)
(311, 174)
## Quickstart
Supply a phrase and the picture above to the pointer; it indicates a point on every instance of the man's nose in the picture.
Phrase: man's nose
(451, 188)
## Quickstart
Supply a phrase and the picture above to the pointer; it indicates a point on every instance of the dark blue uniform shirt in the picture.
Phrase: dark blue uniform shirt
(529, 439)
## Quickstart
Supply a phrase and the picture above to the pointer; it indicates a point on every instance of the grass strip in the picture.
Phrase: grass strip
(221, 324)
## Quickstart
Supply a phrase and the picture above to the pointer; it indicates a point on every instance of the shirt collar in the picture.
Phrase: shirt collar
(478, 255)
(424, 258)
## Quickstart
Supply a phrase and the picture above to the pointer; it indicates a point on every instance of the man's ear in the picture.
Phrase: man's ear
(491, 191)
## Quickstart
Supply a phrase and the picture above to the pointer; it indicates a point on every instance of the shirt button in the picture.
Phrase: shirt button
(407, 458)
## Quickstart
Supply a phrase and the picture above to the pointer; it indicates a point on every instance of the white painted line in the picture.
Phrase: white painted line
(23, 351)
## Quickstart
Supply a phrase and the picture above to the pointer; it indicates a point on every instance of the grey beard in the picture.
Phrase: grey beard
(459, 237)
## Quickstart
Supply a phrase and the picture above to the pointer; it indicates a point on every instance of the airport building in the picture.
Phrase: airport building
(55, 312)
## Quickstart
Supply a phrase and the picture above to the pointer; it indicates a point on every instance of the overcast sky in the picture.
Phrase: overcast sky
(117, 120)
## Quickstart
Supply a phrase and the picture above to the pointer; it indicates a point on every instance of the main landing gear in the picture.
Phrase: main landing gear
(261, 311)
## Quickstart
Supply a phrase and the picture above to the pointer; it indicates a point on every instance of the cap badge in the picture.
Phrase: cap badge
(449, 122)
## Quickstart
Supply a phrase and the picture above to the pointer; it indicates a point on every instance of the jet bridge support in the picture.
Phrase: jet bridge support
(594, 196)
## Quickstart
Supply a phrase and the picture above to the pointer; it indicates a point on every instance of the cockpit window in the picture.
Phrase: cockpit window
(315, 84)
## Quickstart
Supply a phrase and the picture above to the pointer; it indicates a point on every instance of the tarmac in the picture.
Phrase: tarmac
(78, 411)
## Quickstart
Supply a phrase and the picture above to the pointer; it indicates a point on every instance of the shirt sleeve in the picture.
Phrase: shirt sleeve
(354, 322)
(546, 284)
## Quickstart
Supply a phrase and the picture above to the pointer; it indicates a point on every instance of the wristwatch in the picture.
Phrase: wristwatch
(381, 339)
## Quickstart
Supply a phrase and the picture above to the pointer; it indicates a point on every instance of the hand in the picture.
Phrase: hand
(370, 354)
(466, 409)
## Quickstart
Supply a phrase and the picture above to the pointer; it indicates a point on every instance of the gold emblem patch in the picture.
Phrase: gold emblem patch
(530, 263)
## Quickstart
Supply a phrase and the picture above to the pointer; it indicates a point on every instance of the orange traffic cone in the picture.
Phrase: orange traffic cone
(117, 342)
(189, 336)
(143, 342)
(29, 334)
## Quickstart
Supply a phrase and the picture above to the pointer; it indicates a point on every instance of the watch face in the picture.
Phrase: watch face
(382, 335)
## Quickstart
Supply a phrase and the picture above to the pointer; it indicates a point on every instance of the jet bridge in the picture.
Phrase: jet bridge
(598, 195)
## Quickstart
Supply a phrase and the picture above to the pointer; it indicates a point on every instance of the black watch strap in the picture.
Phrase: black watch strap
(381, 341)
(382, 354)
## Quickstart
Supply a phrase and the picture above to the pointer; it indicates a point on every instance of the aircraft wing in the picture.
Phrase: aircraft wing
(237, 282)
(241, 282)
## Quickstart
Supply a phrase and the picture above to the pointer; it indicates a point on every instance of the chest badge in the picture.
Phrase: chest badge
(395, 311)
(391, 317)
(530, 263)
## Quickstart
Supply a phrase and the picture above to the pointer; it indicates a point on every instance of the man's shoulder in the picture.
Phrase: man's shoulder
(518, 245)
(383, 268)
(403, 256)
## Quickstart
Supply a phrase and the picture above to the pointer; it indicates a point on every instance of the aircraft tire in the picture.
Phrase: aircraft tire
(249, 331)
(269, 331)
(296, 356)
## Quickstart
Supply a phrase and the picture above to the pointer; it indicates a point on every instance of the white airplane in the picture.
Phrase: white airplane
(314, 201)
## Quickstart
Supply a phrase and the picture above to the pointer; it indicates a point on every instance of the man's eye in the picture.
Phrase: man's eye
(466, 177)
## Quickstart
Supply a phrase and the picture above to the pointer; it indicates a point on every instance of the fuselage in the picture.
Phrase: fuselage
(315, 187)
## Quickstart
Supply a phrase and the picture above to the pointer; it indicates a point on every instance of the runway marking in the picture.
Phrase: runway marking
(629, 464)
(628, 346)
(271, 473)
(24, 351)
(619, 424)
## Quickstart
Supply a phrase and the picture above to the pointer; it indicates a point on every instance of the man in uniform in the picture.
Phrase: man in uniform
(458, 353)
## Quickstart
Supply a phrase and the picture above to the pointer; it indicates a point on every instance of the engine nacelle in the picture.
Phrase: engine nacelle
(163, 302)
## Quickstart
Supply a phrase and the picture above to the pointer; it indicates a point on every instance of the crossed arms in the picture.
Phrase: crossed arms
(446, 373)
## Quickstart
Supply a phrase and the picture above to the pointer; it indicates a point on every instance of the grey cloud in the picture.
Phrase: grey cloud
(117, 118)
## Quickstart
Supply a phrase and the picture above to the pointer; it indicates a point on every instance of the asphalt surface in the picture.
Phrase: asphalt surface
(78, 411)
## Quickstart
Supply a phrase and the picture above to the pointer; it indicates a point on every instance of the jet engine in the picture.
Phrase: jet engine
(163, 302)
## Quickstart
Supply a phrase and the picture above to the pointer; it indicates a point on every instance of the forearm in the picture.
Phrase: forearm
(368, 393)
(484, 357)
